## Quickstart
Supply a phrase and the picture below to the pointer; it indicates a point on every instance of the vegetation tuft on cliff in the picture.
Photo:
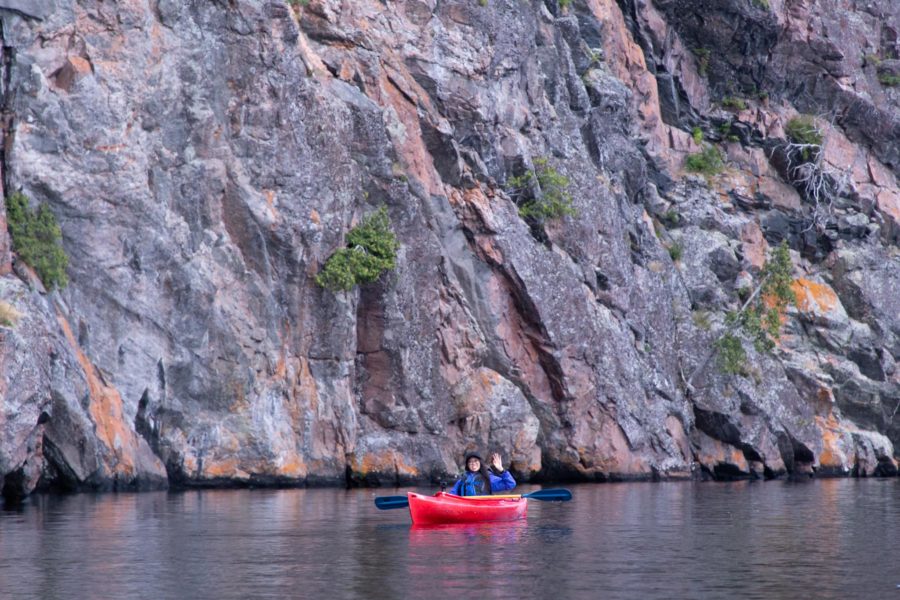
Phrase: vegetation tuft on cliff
(371, 250)
(36, 238)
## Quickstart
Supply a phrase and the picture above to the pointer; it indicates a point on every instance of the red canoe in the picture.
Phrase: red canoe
(446, 508)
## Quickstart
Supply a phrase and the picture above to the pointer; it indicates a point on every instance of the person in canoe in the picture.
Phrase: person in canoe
(479, 480)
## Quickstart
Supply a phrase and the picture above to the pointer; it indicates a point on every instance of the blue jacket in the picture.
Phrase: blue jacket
(473, 485)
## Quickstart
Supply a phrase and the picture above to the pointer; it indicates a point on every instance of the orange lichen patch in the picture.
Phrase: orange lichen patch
(270, 204)
(713, 452)
(190, 464)
(280, 371)
(832, 434)
(228, 468)
(314, 217)
(387, 461)
(476, 206)
(292, 467)
(489, 249)
(488, 379)
(105, 410)
(814, 298)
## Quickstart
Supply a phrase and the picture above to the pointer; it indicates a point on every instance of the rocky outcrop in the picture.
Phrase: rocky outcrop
(205, 158)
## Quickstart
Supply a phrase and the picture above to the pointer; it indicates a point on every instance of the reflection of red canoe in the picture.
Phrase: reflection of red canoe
(447, 508)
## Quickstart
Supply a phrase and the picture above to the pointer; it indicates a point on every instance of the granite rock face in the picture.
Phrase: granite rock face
(205, 158)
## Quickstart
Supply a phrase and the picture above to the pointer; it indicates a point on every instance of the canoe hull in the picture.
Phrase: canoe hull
(443, 508)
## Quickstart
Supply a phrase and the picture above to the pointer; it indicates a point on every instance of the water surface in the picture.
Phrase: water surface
(820, 539)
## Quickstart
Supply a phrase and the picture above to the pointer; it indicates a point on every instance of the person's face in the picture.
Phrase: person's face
(474, 464)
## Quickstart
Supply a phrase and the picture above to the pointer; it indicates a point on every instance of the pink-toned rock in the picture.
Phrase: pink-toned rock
(750, 159)
(73, 70)
(754, 245)
(881, 175)
(780, 194)
(681, 141)
(888, 205)
(842, 154)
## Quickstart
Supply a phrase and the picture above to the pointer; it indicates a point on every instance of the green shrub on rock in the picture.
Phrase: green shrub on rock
(697, 135)
(803, 130)
(758, 320)
(735, 103)
(371, 250)
(703, 55)
(36, 239)
(708, 161)
(676, 251)
(889, 79)
(731, 354)
(542, 193)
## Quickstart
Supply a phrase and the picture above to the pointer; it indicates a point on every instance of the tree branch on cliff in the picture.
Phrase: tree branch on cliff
(818, 181)
(758, 318)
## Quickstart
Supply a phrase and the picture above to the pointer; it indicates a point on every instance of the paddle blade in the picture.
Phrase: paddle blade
(552, 495)
(389, 502)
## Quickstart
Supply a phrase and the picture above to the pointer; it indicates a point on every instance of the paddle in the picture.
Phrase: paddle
(551, 495)
(389, 502)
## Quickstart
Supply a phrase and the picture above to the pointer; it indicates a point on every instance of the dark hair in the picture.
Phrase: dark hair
(486, 475)
(473, 455)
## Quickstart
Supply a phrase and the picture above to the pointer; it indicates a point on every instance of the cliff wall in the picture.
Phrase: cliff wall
(204, 158)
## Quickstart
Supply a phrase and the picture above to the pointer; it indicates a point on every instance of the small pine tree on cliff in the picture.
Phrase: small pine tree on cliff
(371, 250)
(36, 239)
(758, 319)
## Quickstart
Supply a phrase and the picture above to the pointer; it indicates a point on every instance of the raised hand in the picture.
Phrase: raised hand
(496, 462)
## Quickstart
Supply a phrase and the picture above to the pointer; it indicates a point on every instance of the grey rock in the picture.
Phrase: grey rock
(204, 161)
(37, 9)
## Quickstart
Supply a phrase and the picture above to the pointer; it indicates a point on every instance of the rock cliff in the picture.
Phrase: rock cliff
(204, 158)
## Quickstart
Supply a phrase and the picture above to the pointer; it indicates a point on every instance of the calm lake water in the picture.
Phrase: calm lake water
(819, 539)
